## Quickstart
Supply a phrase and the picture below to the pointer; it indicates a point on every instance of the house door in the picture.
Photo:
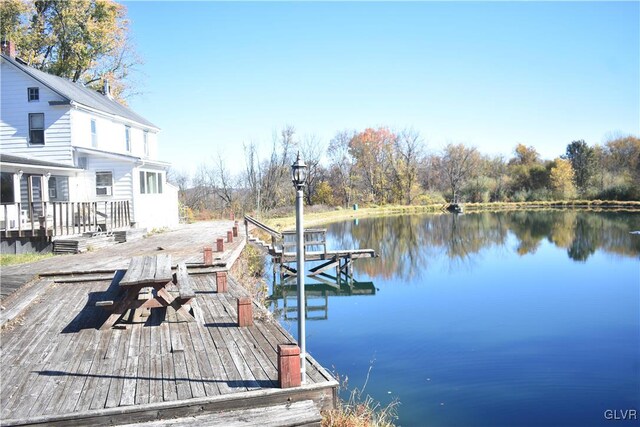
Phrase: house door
(31, 196)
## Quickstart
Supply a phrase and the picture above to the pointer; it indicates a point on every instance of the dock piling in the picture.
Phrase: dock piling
(221, 281)
(289, 365)
(245, 312)
(208, 255)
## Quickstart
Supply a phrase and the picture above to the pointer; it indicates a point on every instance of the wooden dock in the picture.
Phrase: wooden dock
(283, 248)
(58, 368)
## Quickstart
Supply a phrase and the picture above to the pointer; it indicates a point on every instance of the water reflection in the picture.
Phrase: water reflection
(284, 297)
(407, 244)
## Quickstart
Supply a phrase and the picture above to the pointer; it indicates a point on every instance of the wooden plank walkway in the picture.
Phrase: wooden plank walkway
(57, 367)
(185, 244)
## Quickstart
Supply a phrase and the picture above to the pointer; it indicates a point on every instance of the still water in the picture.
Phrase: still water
(486, 319)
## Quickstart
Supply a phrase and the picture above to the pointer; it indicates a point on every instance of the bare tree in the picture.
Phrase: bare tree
(252, 176)
(178, 177)
(408, 154)
(275, 183)
(343, 165)
(224, 183)
(198, 197)
(458, 163)
(311, 149)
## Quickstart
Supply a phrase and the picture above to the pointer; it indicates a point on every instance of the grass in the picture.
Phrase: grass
(340, 214)
(360, 410)
(11, 259)
(156, 231)
(248, 270)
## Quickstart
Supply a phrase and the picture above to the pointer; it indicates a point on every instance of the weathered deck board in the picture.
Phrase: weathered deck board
(59, 365)
(292, 414)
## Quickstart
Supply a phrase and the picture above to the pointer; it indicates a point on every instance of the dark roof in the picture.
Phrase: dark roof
(79, 94)
(10, 158)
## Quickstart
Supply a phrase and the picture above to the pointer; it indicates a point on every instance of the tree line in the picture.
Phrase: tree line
(381, 166)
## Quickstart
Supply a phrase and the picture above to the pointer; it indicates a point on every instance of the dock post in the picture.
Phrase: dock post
(220, 245)
(245, 312)
(235, 231)
(288, 365)
(221, 281)
(229, 236)
(208, 255)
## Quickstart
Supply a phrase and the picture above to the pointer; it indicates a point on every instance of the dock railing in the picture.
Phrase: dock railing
(284, 243)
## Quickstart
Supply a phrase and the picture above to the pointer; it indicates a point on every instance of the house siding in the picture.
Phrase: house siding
(14, 119)
(111, 134)
(68, 132)
(155, 210)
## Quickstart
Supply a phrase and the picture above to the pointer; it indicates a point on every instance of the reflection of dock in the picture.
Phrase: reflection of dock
(316, 295)
(283, 251)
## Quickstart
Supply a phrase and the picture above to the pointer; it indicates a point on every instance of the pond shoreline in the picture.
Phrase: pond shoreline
(342, 214)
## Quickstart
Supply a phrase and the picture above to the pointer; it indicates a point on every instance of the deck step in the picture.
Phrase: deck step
(303, 413)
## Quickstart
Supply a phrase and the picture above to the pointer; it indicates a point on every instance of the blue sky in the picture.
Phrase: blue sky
(488, 74)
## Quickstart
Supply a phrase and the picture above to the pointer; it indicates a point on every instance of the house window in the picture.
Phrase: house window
(7, 194)
(53, 188)
(33, 94)
(94, 133)
(150, 182)
(36, 128)
(127, 138)
(146, 143)
(104, 183)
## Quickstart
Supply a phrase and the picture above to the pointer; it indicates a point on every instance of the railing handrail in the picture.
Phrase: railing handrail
(263, 227)
(56, 218)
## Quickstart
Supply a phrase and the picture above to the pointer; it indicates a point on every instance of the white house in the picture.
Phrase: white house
(67, 148)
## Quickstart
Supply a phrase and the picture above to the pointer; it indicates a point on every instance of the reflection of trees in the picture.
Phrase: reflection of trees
(585, 241)
(407, 243)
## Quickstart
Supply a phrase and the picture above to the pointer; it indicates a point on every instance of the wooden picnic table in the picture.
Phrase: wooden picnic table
(152, 272)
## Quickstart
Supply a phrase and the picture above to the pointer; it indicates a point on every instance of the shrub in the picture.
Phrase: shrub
(520, 196)
(430, 198)
(624, 192)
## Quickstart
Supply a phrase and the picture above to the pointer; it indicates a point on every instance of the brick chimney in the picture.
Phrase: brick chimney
(9, 48)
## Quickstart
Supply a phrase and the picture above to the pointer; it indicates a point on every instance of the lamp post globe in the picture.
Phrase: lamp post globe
(299, 177)
(299, 173)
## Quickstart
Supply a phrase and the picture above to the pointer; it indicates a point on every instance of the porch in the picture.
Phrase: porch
(52, 219)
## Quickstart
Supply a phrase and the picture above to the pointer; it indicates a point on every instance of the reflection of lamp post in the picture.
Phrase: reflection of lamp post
(299, 177)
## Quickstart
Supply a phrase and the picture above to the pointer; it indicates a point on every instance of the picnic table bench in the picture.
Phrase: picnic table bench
(152, 272)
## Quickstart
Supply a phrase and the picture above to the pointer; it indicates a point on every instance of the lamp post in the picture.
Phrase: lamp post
(299, 177)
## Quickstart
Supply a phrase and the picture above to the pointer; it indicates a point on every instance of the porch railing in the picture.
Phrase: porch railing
(63, 218)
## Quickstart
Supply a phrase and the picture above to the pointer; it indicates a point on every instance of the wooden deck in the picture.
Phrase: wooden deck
(184, 244)
(57, 367)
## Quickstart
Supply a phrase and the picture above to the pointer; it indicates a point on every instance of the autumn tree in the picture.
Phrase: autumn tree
(371, 150)
(458, 166)
(624, 153)
(82, 40)
(562, 178)
(528, 173)
(582, 158)
(323, 194)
